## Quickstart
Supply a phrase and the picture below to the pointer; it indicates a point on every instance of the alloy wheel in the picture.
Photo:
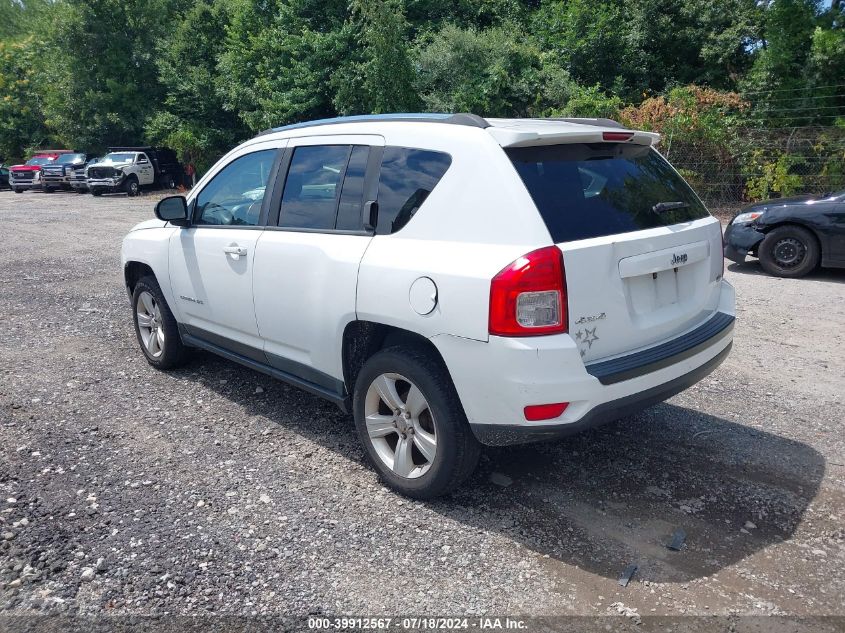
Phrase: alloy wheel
(400, 425)
(150, 324)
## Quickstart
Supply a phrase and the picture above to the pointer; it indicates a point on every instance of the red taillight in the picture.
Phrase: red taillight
(617, 136)
(528, 298)
(536, 412)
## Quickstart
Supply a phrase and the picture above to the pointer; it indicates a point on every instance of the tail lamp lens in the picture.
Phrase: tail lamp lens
(528, 297)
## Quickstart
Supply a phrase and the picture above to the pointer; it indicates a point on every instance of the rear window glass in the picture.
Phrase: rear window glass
(312, 186)
(407, 177)
(595, 190)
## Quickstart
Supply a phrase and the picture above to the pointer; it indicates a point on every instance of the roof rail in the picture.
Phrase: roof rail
(472, 120)
(595, 122)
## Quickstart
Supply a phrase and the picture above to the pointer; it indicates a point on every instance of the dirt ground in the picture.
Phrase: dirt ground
(214, 490)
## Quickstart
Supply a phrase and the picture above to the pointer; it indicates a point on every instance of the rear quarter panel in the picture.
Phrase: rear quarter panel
(478, 219)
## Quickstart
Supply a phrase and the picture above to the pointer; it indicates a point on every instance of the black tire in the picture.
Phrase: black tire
(48, 190)
(789, 251)
(457, 449)
(132, 187)
(96, 192)
(173, 353)
(168, 182)
(18, 190)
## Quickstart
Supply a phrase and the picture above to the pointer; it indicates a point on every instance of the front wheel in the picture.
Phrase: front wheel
(96, 192)
(789, 251)
(411, 422)
(18, 190)
(155, 326)
(132, 187)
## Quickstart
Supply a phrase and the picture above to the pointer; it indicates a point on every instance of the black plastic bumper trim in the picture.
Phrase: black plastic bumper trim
(648, 360)
(508, 434)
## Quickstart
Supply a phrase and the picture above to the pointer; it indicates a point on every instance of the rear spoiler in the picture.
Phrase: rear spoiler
(510, 137)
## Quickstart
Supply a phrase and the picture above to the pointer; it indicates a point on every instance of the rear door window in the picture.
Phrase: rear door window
(313, 185)
(350, 209)
(407, 177)
(595, 190)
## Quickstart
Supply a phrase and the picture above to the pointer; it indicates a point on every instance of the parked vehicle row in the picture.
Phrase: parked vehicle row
(122, 169)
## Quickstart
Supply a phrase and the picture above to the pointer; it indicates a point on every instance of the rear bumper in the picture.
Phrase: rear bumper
(504, 435)
(741, 239)
(496, 380)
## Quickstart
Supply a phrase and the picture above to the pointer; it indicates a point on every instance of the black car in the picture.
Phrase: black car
(4, 178)
(790, 236)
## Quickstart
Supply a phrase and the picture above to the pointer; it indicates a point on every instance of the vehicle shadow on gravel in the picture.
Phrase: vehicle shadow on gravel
(616, 495)
(753, 268)
(605, 498)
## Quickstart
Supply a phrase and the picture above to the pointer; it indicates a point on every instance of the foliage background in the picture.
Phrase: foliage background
(749, 94)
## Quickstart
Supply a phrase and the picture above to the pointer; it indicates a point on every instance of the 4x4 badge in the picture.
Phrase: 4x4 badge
(591, 318)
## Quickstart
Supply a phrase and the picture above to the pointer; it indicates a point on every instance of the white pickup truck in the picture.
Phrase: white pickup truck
(127, 169)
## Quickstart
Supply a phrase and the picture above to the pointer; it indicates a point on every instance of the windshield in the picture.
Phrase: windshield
(119, 158)
(68, 159)
(39, 160)
(595, 190)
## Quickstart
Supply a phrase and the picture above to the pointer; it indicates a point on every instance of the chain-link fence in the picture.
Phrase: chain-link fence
(760, 163)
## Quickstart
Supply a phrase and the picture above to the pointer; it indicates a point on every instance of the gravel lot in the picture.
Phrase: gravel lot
(216, 490)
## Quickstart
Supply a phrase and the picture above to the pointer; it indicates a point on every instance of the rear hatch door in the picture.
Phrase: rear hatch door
(642, 254)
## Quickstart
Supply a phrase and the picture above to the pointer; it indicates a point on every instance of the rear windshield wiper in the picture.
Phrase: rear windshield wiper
(662, 207)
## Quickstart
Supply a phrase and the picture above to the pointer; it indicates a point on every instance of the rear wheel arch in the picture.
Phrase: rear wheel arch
(363, 339)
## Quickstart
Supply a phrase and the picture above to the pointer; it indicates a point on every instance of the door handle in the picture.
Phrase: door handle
(235, 251)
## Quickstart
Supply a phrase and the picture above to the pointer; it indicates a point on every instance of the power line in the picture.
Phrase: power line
(756, 92)
(786, 99)
(808, 109)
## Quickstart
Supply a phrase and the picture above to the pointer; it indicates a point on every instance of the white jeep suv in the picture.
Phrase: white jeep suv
(452, 281)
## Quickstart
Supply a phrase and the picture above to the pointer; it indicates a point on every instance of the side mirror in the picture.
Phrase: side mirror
(173, 209)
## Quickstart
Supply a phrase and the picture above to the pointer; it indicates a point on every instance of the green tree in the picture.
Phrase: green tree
(21, 18)
(192, 118)
(778, 77)
(638, 47)
(102, 80)
(379, 78)
(279, 58)
(495, 72)
(21, 122)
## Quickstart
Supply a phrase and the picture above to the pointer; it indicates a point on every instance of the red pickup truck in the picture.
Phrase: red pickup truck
(28, 175)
